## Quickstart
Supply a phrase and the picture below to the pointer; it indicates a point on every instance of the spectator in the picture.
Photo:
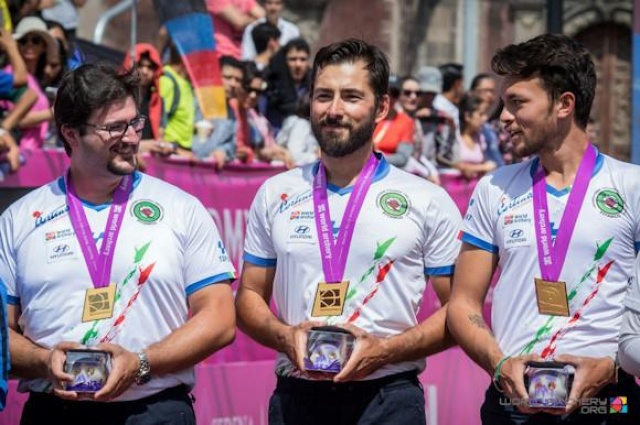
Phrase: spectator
(288, 80)
(262, 138)
(265, 37)
(230, 18)
(288, 30)
(37, 47)
(394, 135)
(409, 94)
(220, 145)
(452, 92)
(179, 107)
(58, 66)
(438, 146)
(483, 86)
(297, 136)
(473, 162)
(9, 157)
(149, 68)
(64, 12)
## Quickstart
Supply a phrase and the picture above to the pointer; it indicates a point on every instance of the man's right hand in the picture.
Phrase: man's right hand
(57, 375)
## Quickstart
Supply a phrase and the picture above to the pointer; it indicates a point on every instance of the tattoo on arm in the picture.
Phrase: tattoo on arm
(477, 320)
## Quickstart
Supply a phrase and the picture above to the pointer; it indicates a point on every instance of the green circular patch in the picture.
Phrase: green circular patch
(609, 202)
(394, 204)
(147, 211)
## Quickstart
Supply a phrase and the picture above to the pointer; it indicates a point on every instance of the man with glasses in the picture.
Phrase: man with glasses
(156, 299)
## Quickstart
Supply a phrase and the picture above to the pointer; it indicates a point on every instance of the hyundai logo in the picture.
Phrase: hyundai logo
(61, 249)
(302, 230)
(516, 233)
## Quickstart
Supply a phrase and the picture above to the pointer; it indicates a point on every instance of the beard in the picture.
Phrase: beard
(124, 164)
(337, 145)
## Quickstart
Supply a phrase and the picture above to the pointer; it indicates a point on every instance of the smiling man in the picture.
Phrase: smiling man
(352, 225)
(564, 229)
(148, 252)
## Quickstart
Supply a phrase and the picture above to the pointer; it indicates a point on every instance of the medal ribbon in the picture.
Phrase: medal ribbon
(98, 263)
(334, 253)
(551, 256)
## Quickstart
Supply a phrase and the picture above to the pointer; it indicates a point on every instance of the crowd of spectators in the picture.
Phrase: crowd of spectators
(434, 126)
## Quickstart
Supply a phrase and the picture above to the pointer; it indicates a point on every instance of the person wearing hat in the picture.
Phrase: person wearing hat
(36, 45)
(438, 128)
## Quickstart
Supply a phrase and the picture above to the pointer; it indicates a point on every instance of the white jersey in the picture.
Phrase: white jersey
(598, 266)
(406, 229)
(168, 248)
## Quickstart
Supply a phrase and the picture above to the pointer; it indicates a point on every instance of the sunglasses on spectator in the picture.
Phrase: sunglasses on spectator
(31, 39)
(119, 129)
(257, 91)
(408, 93)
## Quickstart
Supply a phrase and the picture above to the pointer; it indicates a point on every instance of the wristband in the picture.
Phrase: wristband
(496, 374)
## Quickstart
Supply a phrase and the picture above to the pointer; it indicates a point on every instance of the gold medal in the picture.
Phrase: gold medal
(552, 298)
(330, 298)
(98, 303)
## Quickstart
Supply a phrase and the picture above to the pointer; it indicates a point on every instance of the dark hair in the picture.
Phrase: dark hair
(88, 88)
(468, 104)
(174, 55)
(262, 34)
(451, 73)
(563, 65)
(249, 72)
(352, 50)
(408, 78)
(230, 61)
(478, 78)
(297, 44)
(303, 107)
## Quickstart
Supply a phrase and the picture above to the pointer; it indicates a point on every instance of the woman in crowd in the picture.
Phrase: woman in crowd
(297, 137)
(472, 161)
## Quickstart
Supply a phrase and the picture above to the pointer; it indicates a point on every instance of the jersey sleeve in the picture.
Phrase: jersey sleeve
(258, 244)
(441, 245)
(7, 258)
(478, 227)
(206, 258)
(632, 300)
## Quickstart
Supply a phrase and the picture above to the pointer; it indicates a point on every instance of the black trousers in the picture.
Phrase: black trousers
(598, 410)
(172, 406)
(392, 400)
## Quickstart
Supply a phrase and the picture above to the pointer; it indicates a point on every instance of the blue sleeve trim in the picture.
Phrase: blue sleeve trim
(263, 262)
(439, 271)
(209, 281)
(636, 245)
(13, 300)
(479, 243)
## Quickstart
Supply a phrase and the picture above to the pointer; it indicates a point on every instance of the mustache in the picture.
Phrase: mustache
(333, 122)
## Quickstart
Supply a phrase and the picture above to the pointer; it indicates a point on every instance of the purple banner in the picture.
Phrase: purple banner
(234, 385)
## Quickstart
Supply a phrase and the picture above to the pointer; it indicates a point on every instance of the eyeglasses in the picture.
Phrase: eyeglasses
(408, 93)
(31, 39)
(119, 129)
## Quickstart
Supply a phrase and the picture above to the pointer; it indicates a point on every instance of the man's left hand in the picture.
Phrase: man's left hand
(369, 354)
(591, 375)
(124, 368)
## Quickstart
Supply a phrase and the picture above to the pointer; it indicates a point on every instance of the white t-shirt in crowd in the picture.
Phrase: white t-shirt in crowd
(288, 31)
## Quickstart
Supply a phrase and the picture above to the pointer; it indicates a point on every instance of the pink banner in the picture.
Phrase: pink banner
(234, 385)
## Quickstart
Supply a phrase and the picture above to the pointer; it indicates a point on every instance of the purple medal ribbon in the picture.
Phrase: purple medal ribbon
(551, 256)
(98, 263)
(334, 253)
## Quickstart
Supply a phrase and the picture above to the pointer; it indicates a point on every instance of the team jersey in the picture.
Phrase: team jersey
(406, 229)
(598, 266)
(168, 248)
